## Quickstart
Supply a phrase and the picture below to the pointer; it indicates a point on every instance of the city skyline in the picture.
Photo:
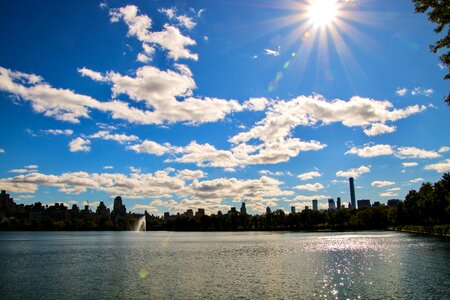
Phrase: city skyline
(181, 105)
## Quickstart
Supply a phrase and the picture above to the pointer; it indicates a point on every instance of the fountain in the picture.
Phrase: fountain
(141, 224)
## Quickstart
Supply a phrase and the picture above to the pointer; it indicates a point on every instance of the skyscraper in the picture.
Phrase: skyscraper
(338, 203)
(243, 209)
(315, 205)
(352, 192)
(331, 204)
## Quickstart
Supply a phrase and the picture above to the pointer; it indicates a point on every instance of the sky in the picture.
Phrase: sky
(178, 105)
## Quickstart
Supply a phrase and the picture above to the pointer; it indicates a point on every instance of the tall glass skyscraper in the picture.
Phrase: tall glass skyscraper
(352, 192)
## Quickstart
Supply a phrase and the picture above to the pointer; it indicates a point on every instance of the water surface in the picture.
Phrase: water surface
(218, 265)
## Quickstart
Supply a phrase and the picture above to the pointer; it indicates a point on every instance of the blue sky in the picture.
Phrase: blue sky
(205, 104)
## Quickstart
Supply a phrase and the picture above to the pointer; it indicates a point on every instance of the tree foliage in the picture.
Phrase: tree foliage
(438, 12)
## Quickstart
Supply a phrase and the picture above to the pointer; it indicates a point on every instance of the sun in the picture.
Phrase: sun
(322, 12)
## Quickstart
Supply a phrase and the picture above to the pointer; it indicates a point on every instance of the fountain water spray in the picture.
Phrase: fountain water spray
(141, 224)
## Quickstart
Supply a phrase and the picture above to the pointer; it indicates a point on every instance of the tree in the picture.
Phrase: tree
(438, 12)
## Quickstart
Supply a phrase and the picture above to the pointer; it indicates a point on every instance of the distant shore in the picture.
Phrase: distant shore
(436, 230)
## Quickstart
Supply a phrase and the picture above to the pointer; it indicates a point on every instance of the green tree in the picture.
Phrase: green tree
(438, 12)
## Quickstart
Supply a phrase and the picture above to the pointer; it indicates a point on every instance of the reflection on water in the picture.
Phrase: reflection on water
(186, 265)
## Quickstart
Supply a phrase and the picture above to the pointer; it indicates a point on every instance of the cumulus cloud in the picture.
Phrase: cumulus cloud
(80, 144)
(379, 184)
(170, 38)
(283, 116)
(353, 172)
(310, 198)
(401, 91)
(440, 167)
(186, 22)
(191, 174)
(157, 89)
(249, 190)
(185, 184)
(150, 147)
(169, 12)
(243, 154)
(97, 76)
(444, 149)
(310, 187)
(371, 151)
(120, 138)
(61, 104)
(143, 207)
(378, 129)
(309, 175)
(413, 152)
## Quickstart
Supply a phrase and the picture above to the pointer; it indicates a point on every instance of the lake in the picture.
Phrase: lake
(223, 265)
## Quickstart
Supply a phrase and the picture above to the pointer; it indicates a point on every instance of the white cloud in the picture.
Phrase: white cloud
(393, 189)
(32, 167)
(272, 52)
(379, 184)
(379, 128)
(283, 116)
(186, 22)
(388, 194)
(97, 76)
(158, 89)
(441, 66)
(371, 151)
(170, 38)
(401, 91)
(419, 179)
(191, 174)
(58, 131)
(309, 175)
(354, 172)
(255, 104)
(108, 167)
(18, 171)
(143, 207)
(440, 167)
(270, 173)
(2, 151)
(120, 138)
(409, 164)
(143, 58)
(310, 198)
(169, 12)
(243, 154)
(149, 147)
(444, 149)
(80, 144)
(310, 187)
(413, 152)
(250, 190)
(422, 92)
(61, 104)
